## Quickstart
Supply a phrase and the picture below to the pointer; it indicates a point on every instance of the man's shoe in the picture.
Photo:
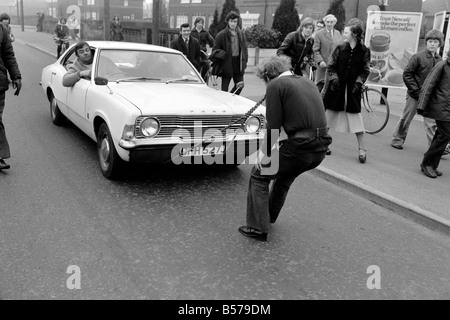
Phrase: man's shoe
(3, 165)
(438, 172)
(428, 171)
(253, 233)
(397, 146)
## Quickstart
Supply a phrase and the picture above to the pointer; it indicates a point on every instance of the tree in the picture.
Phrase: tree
(228, 6)
(286, 18)
(213, 27)
(261, 36)
(337, 9)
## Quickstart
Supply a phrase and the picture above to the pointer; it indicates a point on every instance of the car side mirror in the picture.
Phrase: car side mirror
(101, 81)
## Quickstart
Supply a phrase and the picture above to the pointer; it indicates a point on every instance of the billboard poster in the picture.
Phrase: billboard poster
(393, 37)
(439, 20)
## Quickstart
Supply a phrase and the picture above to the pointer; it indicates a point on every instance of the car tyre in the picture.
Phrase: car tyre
(110, 162)
(57, 117)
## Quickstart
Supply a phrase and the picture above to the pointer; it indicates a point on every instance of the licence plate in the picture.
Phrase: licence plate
(202, 151)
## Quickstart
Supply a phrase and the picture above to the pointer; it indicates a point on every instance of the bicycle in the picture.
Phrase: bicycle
(374, 109)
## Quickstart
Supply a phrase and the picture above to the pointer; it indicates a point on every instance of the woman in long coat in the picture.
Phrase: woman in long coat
(116, 29)
(348, 69)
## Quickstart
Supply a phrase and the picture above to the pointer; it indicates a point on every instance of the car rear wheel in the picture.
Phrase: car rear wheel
(57, 117)
(110, 162)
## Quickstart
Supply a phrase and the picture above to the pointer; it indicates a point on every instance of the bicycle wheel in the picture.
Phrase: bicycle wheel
(374, 110)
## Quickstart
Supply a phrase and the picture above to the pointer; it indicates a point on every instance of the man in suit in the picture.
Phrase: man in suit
(188, 45)
(325, 41)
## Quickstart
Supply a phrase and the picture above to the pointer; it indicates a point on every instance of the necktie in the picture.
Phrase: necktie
(187, 45)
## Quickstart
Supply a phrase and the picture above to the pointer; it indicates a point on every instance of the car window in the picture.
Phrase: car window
(146, 65)
(69, 59)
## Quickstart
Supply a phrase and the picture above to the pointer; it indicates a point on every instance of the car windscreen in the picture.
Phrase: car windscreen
(136, 65)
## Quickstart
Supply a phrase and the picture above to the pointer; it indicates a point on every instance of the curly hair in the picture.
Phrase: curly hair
(274, 66)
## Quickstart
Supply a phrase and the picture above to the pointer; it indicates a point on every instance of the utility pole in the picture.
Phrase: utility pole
(106, 14)
(155, 31)
(22, 20)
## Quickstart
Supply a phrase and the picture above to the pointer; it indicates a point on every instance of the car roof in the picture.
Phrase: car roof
(129, 46)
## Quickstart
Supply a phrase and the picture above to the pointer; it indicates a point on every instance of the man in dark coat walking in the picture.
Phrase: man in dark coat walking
(8, 64)
(434, 103)
(204, 38)
(188, 45)
(233, 42)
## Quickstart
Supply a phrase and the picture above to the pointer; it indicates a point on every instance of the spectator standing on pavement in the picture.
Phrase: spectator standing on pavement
(188, 45)
(5, 19)
(294, 105)
(325, 41)
(232, 41)
(298, 45)
(417, 69)
(40, 23)
(204, 38)
(347, 70)
(116, 29)
(81, 68)
(8, 64)
(60, 35)
(434, 103)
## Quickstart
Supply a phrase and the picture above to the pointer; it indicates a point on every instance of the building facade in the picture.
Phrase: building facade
(262, 11)
(95, 9)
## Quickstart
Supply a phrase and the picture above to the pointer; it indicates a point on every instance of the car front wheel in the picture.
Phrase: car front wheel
(110, 162)
(57, 117)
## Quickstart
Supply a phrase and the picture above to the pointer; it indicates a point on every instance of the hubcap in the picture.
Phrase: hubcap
(53, 109)
(104, 153)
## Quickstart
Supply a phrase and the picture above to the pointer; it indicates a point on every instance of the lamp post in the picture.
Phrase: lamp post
(22, 17)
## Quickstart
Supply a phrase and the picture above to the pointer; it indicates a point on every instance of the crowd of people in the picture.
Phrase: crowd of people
(300, 109)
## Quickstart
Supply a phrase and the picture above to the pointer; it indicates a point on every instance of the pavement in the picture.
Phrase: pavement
(390, 178)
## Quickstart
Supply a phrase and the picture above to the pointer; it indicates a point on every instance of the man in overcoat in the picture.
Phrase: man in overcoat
(325, 41)
(232, 41)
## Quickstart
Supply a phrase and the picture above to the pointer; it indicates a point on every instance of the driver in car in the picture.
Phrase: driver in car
(82, 66)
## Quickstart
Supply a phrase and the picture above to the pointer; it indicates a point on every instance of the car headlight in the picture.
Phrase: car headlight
(252, 124)
(150, 127)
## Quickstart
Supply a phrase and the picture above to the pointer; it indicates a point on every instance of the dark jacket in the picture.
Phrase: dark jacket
(60, 31)
(223, 42)
(297, 48)
(417, 69)
(203, 38)
(434, 99)
(8, 63)
(116, 31)
(194, 49)
(349, 66)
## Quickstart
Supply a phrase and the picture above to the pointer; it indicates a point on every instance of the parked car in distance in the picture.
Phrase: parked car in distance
(148, 104)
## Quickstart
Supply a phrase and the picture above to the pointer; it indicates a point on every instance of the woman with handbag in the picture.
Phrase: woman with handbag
(347, 69)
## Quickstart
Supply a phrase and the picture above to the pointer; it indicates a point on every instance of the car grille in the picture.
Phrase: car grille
(193, 124)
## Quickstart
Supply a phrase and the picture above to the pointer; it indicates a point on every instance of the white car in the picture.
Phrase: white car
(150, 105)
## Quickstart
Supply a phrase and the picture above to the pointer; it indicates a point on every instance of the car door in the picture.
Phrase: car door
(76, 101)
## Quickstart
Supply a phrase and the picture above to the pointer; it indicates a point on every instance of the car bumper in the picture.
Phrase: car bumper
(234, 152)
